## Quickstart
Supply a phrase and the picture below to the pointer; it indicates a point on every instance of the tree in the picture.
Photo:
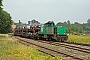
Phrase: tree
(1, 5)
(88, 25)
(59, 24)
(65, 24)
(68, 22)
(76, 23)
(80, 29)
(5, 22)
(88, 21)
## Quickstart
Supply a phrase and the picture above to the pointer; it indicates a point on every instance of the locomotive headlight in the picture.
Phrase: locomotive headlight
(39, 26)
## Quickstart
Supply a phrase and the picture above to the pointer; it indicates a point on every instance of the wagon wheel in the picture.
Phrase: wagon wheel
(33, 37)
(36, 37)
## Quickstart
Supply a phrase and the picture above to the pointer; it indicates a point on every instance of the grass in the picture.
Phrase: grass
(79, 39)
(89, 58)
(10, 49)
(53, 46)
(71, 51)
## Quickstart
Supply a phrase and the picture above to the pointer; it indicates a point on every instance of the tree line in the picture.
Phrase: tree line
(76, 27)
(70, 27)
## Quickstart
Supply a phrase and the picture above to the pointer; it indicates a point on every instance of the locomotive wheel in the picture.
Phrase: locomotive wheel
(62, 39)
(59, 39)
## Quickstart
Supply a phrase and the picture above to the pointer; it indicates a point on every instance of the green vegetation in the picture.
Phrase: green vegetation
(5, 20)
(79, 39)
(89, 58)
(54, 46)
(1, 5)
(71, 51)
(12, 50)
(76, 27)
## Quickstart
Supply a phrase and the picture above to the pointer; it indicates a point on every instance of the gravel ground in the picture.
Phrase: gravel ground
(84, 56)
(87, 47)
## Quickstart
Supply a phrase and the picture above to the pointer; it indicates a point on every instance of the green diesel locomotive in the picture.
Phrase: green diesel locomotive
(50, 31)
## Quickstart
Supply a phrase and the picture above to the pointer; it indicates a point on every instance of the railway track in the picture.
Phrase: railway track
(78, 43)
(70, 46)
(52, 51)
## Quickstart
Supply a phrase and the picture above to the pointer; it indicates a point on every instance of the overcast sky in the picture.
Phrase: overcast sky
(45, 10)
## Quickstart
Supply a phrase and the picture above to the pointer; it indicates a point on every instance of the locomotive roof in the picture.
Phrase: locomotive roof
(49, 23)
